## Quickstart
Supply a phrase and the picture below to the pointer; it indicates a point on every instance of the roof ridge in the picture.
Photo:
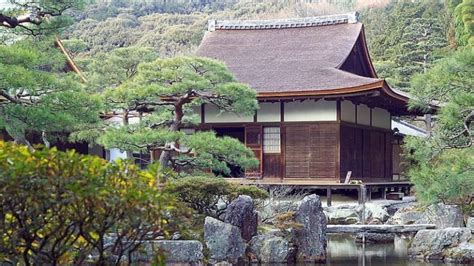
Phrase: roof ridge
(352, 17)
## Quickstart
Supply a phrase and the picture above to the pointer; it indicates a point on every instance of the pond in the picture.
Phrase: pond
(343, 250)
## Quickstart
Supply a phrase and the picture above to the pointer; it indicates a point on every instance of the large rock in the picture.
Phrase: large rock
(393, 206)
(444, 216)
(271, 248)
(376, 213)
(271, 208)
(470, 223)
(241, 213)
(450, 244)
(375, 238)
(183, 252)
(311, 239)
(406, 216)
(463, 253)
(224, 241)
(342, 215)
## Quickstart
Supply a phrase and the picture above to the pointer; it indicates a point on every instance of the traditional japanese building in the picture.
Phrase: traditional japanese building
(323, 110)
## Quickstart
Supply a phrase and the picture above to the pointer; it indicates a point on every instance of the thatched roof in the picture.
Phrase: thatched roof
(292, 56)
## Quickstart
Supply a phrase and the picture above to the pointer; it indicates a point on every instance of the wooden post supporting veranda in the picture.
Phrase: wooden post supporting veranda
(329, 197)
(384, 193)
(362, 199)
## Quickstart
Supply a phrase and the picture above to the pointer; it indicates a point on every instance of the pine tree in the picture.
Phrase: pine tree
(162, 98)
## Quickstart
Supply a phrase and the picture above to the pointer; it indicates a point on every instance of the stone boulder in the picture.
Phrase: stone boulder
(224, 241)
(449, 244)
(342, 215)
(310, 239)
(392, 206)
(271, 248)
(470, 223)
(406, 216)
(271, 208)
(444, 216)
(375, 238)
(183, 252)
(376, 213)
(241, 213)
(463, 253)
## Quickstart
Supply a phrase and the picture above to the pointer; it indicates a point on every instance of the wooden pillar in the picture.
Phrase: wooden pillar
(369, 194)
(384, 193)
(362, 199)
(329, 196)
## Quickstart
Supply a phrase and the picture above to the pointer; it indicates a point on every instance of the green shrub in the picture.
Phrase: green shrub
(210, 195)
(441, 176)
(61, 207)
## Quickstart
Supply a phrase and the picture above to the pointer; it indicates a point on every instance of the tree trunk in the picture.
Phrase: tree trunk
(46, 142)
(19, 138)
(125, 122)
(167, 153)
(428, 124)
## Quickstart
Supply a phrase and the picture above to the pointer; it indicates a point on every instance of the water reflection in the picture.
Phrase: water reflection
(343, 250)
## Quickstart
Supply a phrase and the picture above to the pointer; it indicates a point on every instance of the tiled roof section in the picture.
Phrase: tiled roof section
(288, 59)
(283, 23)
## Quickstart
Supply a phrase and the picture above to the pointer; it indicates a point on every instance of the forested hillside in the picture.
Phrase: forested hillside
(404, 37)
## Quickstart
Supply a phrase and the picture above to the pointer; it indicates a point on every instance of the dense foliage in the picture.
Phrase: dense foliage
(37, 17)
(63, 208)
(38, 100)
(155, 100)
(442, 165)
(404, 38)
(210, 196)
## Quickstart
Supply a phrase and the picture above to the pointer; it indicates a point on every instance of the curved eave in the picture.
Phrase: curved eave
(308, 93)
(386, 88)
(366, 53)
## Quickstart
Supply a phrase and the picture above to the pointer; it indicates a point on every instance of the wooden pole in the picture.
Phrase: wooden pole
(329, 196)
(363, 194)
(384, 193)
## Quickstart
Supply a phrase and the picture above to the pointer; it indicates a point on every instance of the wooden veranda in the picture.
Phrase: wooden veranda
(364, 190)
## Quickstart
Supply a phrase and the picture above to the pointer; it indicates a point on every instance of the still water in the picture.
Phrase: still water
(344, 251)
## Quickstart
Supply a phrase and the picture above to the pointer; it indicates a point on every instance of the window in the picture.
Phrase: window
(271, 140)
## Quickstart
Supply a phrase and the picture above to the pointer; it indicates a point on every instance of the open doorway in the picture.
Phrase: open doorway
(237, 133)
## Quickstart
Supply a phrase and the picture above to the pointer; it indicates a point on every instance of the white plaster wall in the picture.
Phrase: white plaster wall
(269, 112)
(381, 118)
(115, 154)
(310, 111)
(363, 114)
(348, 111)
(214, 115)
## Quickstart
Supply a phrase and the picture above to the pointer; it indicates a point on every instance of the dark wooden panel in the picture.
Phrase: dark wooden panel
(348, 151)
(358, 152)
(311, 150)
(297, 151)
(253, 140)
(271, 165)
(388, 156)
(377, 154)
(366, 152)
